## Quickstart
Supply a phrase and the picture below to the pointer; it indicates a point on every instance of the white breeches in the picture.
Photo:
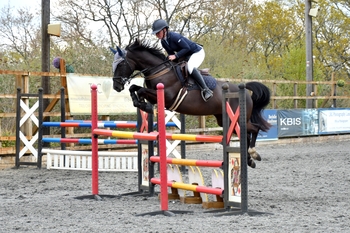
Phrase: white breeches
(195, 60)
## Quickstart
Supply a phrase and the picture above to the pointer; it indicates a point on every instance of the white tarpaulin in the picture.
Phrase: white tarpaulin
(109, 101)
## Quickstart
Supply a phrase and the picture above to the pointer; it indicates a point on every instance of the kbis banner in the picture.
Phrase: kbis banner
(109, 101)
(297, 122)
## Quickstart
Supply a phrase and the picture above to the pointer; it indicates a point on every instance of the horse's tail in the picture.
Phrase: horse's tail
(261, 98)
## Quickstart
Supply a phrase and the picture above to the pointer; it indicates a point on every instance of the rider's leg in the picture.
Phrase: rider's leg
(206, 92)
(195, 61)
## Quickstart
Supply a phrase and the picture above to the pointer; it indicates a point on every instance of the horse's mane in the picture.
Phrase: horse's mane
(145, 46)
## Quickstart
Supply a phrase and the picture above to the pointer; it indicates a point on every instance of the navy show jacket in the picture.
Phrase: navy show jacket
(183, 47)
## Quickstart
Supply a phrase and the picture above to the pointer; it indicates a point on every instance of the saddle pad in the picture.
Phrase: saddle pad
(191, 84)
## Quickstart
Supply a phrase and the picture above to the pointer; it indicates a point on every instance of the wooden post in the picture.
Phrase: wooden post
(334, 91)
(22, 81)
(201, 123)
(63, 72)
(274, 105)
(315, 94)
(309, 54)
(295, 94)
(45, 55)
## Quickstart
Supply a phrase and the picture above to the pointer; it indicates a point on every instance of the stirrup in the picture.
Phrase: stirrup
(207, 92)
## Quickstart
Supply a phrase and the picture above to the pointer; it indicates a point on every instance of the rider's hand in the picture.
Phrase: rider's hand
(171, 57)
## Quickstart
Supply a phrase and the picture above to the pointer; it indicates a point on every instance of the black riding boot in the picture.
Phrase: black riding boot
(206, 92)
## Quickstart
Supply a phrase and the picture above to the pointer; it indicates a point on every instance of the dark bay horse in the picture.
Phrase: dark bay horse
(152, 65)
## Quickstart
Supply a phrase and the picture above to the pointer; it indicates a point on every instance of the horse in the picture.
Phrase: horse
(182, 96)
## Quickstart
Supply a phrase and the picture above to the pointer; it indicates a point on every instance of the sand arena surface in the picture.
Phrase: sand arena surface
(304, 185)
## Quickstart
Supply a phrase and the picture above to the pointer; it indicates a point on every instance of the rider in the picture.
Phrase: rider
(178, 46)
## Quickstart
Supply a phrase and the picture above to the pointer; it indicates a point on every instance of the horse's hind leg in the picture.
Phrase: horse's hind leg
(252, 136)
(251, 150)
(251, 162)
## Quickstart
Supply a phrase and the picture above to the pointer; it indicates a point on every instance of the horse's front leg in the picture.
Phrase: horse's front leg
(138, 99)
(135, 99)
(149, 94)
(151, 97)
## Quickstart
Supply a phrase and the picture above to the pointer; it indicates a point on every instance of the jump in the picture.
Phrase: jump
(182, 94)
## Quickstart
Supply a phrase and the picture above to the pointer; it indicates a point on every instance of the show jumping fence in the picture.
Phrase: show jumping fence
(82, 160)
(233, 202)
(76, 160)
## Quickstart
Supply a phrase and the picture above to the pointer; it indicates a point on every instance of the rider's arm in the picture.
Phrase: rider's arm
(182, 45)
(167, 48)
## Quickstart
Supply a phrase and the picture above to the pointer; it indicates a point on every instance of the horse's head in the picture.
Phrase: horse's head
(137, 56)
(122, 69)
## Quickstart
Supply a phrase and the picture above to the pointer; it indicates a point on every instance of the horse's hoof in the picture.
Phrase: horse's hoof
(256, 156)
(251, 163)
(251, 150)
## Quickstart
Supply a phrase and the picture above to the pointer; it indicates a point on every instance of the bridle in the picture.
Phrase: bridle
(122, 79)
(158, 71)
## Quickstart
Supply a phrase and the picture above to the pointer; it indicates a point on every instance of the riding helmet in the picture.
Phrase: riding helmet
(158, 25)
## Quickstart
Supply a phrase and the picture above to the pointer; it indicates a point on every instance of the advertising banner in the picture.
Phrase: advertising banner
(334, 121)
(109, 101)
(271, 116)
(297, 122)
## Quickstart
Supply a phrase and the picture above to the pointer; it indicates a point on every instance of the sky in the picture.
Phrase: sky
(17, 3)
(33, 5)
(36, 3)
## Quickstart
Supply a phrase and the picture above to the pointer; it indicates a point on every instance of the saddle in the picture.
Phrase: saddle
(186, 80)
(188, 83)
(184, 69)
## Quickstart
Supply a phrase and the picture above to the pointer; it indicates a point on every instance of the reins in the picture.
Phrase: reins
(160, 71)
(155, 74)
(181, 94)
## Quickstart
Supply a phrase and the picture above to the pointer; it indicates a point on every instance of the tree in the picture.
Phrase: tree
(20, 38)
(274, 31)
(123, 21)
(332, 38)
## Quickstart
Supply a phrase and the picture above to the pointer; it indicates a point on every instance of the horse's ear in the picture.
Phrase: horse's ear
(113, 50)
(120, 52)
